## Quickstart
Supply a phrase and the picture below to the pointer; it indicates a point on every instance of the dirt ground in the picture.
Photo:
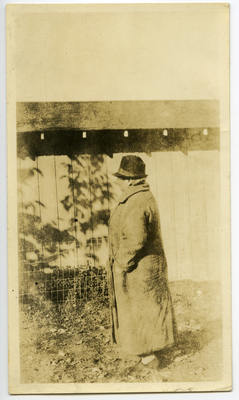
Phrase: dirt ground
(77, 348)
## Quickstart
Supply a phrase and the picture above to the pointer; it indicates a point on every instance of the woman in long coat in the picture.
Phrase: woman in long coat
(141, 305)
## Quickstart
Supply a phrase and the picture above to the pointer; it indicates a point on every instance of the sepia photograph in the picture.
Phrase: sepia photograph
(119, 198)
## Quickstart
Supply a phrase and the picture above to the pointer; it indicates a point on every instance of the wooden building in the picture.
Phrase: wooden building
(180, 144)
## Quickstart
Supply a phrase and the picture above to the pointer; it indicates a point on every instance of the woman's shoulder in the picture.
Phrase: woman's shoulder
(143, 197)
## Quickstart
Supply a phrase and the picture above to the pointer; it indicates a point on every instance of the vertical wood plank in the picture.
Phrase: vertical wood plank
(47, 189)
(197, 216)
(211, 165)
(182, 219)
(166, 209)
(56, 170)
(113, 166)
(204, 217)
(189, 221)
(151, 166)
(63, 190)
(29, 188)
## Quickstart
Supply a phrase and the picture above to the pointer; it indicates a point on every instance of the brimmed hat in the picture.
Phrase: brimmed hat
(131, 167)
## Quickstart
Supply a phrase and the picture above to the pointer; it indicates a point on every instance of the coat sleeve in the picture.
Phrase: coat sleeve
(133, 238)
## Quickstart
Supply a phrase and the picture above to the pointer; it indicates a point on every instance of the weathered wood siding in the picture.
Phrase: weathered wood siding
(186, 187)
(187, 190)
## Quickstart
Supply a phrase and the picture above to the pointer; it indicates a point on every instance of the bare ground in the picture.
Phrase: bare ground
(76, 347)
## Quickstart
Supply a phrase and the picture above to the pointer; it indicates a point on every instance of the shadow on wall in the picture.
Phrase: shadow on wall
(66, 212)
(63, 212)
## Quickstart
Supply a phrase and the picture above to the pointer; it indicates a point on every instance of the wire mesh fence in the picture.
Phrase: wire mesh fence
(64, 207)
(58, 284)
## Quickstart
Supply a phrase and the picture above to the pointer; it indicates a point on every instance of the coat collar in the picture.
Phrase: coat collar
(132, 190)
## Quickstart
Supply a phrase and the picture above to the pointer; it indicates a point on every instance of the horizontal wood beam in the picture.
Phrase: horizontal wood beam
(176, 114)
(76, 142)
(71, 128)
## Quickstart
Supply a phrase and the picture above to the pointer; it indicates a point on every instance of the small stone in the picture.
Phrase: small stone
(146, 360)
(177, 359)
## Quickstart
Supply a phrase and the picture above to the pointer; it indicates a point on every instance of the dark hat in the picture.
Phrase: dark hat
(131, 167)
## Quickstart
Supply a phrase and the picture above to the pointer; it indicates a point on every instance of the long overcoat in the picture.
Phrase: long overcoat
(143, 318)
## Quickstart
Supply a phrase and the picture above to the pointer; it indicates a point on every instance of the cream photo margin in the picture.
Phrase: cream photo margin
(15, 387)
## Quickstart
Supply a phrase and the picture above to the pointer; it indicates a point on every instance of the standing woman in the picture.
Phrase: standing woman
(141, 306)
